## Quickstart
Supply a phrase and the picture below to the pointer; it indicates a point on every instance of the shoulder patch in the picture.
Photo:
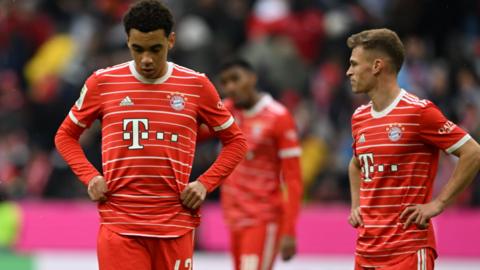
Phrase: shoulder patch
(79, 102)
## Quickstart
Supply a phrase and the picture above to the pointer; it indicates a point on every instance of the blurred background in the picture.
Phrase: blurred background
(49, 47)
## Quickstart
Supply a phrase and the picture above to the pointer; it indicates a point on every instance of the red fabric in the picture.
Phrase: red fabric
(252, 194)
(398, 153)
(149, 133)
(256, 247)
(66, 142)
(119, 252)
(423, 259)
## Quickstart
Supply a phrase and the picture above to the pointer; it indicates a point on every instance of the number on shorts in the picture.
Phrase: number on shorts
(188, 264)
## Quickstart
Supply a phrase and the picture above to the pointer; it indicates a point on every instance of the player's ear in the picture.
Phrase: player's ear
(378, 65)
(171, 40)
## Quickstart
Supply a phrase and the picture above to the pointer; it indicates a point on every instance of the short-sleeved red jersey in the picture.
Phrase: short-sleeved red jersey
(253, 193)
(149, 130)
(398, 152)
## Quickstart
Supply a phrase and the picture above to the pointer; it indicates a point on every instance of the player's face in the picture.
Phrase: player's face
(149, 51)
(360, 71)
(238, 84)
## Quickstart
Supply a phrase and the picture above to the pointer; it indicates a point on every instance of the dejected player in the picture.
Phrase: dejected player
(397, 138)
(261, 198)
(149, 109)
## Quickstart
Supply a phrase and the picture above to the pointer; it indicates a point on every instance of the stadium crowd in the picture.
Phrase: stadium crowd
(48, 48)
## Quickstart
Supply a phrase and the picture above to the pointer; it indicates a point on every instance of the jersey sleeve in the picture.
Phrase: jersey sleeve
(85, 110)
(289, 153)
(212, 111)
(286, 137)
(87, 107)
(437, 130)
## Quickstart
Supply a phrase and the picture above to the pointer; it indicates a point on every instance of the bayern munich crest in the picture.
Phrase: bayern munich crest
(395, 132)
(177, 101)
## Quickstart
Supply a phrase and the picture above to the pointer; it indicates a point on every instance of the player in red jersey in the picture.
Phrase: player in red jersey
(397, 138)
(149, 109)
(260, 216)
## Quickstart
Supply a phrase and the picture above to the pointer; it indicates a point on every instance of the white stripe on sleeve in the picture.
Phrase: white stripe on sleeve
(225, 125)
(290, 152)
(458, 144)
(75, 120)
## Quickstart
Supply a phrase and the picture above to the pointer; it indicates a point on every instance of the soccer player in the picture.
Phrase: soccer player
(397, 138)
(149, 109)
(261, 198)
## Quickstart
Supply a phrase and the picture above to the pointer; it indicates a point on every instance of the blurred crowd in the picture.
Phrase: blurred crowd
(49, 47)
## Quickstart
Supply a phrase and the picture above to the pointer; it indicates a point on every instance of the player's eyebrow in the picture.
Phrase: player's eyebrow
(156, 46)
(153, 47)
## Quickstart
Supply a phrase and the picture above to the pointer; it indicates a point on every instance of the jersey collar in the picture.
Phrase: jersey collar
(160, 80)
(376, 114)
(261, 104)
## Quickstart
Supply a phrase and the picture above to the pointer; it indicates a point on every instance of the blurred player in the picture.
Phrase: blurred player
(149, 109)
(261, 198)
(397, 138)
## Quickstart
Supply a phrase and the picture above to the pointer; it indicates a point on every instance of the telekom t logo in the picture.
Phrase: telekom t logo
(136, 134)
(366, 161)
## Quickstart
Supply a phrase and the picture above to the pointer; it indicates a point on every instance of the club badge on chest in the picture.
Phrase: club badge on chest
(177, 101)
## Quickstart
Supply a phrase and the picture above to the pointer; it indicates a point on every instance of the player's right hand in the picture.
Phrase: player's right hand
(355, 219)
(97, 189)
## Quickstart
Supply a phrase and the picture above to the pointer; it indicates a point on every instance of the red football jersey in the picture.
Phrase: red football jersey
(398, 152)
(253, 193)
(149, 130)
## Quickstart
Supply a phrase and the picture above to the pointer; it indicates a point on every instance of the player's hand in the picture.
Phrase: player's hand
(97, 189)
(288, 247)
(420, 214)
(193, 195)
(355, 219)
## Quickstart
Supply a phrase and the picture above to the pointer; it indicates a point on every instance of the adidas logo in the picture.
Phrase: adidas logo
(362, 138)
(126, 101)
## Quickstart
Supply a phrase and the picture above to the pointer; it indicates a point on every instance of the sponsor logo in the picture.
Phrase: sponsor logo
(126, 101)
(362, 138)
(448, 127)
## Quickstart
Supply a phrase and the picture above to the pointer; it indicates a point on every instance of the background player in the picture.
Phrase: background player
(149, 109)
(261, 217)
(397, 138)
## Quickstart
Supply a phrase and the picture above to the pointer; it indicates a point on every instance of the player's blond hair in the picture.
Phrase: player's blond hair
(382, 40)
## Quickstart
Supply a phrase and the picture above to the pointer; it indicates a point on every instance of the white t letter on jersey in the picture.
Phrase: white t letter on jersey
(366, 160)
(135, 135)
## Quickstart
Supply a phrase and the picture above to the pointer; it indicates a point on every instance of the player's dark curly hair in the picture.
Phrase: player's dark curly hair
(236, 62)
(147, 16)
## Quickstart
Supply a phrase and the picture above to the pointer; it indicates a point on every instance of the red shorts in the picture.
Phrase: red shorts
(423, 259)
(119, 252)
(255, 247)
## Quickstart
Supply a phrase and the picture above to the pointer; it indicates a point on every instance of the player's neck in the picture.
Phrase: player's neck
(383, 95)
(256, 96)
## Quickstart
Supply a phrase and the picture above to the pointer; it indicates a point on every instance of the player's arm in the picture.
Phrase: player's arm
(355, 218)
(465, 171)
(218, 118)
(436, 130)
(204, 133)
(82, 114)
(289, 154)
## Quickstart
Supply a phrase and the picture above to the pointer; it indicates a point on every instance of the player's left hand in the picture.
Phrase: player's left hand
(420, 214)
(193, 195)
(288, 247)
